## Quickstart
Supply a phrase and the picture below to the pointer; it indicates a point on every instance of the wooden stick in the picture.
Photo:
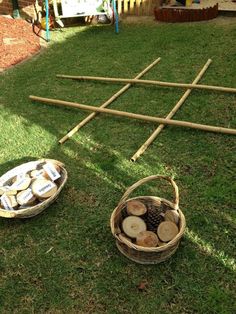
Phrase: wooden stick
(142, 149)
(105, 104)
(150, 82)
(136, 116)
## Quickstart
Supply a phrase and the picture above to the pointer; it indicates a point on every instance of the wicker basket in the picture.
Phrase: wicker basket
(139, 254)
(36, 209)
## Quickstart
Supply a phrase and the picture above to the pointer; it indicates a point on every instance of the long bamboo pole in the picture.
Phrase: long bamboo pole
(149, 82)
(105, 104)
(142, 149)
(136, 116)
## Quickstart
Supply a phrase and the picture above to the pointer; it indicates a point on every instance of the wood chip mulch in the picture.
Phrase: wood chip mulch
(17, 41)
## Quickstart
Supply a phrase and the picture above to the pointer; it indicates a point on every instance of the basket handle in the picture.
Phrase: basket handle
(150, 178)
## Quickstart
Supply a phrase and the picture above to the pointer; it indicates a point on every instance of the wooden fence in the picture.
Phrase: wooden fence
(136, 7)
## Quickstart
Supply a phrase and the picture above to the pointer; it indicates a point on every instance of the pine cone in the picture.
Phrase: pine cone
(151, 227)
(154, 217)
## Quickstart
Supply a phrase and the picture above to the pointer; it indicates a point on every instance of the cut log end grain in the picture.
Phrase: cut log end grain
(43, 188)
(136, 208)
(147, 239)
(25, 198)
(11, 192)
(157, 203)
(172, 215)
(18, 177)
(133, 225)
(38, 174)
(11, 201)
(21, 183)
(167, 230)
(7, 191)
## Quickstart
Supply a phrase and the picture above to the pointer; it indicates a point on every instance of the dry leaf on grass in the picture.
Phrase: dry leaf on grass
(143, 285)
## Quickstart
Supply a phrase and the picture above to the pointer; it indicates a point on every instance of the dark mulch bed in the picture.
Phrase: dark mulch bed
(17, 41)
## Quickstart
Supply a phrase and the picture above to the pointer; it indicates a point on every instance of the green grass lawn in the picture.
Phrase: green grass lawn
(65, 260)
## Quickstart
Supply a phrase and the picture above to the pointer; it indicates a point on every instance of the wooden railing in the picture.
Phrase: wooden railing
(136, 7)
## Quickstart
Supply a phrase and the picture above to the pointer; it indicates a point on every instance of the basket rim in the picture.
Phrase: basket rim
(19, 213)
(169, 244)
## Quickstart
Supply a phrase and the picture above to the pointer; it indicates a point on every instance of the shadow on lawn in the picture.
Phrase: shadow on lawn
(75, 232)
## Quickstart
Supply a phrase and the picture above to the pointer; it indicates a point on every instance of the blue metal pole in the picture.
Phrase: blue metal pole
(15, 6)
(116, 17)
(47, 20)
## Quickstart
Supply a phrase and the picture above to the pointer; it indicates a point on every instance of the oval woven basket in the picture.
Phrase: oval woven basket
(140, 254)
(38, 208)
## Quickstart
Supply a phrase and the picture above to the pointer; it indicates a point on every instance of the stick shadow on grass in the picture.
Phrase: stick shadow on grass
(75, 232)
(65, 259)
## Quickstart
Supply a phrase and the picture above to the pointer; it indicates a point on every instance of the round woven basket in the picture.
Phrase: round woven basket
(36, 209)
(147, 255)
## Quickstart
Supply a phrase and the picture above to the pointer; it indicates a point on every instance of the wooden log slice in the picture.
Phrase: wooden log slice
(147, 239)
(2, 190)
(52, 171)
(25, 197)
(167, 230)
(19, 177)
(136, 208)
(43, 188)
(133, 225)
(21, 183)
(38, 174)
(7, 190)
(13, 201)
(8, 202)
(172, 215)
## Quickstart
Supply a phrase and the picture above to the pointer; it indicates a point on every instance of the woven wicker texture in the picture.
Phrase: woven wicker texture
(34, 210)
(147, 255)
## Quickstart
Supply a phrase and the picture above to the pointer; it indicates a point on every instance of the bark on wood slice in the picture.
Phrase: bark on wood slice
(172, 215)
(43, 188)
(136, 208)
(133, 225)
(167, 230)
(147, 239)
